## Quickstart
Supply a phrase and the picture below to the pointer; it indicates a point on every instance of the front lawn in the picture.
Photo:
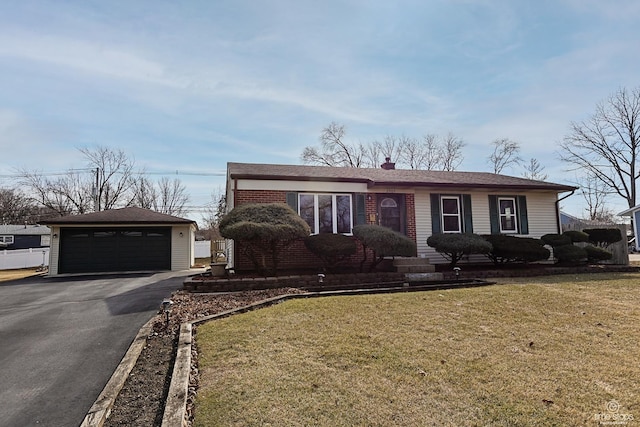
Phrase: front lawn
(555, 350)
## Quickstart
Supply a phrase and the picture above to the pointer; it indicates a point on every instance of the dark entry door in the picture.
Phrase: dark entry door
(391, 211)
(84, 250)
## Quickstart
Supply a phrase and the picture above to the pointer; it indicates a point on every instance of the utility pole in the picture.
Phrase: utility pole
(96, 191)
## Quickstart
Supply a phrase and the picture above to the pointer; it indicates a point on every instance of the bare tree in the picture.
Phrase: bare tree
(171, 197)
(103, 184)
(215, 209)
(433, 154)
(371, 154)
(114, 172)
(534, 170)
(15, 207)
(334, 150)
(64, 194)
(451, 152)
(412, 153)
(595, 195)
(144, 193)
(606, 146)
(505, 153)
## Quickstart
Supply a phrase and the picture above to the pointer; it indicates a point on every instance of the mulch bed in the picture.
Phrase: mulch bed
(142, 399)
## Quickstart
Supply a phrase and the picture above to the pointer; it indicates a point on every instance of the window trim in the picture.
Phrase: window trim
(513, 215)
(334, 211)
(458, 215)
(8, 239)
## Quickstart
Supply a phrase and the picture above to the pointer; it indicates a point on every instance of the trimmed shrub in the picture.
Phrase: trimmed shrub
(570, 254)
(507, 249)
(603, 237)
(332, 249)
(577, 236)
(453, 246)
(556, 240)
(383, 242)
(262, 230)
(595, 254)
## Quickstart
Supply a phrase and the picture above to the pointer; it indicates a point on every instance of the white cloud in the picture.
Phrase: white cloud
(82, 55)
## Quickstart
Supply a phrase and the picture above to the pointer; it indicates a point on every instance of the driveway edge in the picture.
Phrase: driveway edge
(101, 408)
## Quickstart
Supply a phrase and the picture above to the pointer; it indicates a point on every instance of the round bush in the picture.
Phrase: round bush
(577, 236)
(596, 254)
(331, 248)
(453, 246)
(604, 236)
(555, 240)
(507, 248)
(384, 241)
(569, 254)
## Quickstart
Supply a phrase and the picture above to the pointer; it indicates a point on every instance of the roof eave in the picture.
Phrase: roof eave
(297, 178)
(558, 188)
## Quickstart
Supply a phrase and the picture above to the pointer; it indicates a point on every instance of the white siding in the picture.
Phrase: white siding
(182, 247)
(54, 252)
(541, 215)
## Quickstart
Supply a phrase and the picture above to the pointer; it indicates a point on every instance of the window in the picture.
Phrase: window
(507, 214)
(450, 208)
(326, 213)
(451, 213)
(6, 239)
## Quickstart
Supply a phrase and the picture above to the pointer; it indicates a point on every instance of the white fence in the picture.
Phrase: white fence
(23, 258)
(204, 248)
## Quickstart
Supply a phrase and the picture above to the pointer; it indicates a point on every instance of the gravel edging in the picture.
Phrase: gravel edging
(99, 411)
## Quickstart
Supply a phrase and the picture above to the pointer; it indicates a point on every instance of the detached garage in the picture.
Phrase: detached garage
(128, 239)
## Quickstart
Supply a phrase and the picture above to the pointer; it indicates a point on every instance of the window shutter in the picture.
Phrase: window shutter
(436, 226)
(361, 209)
(494, 218)
(467, 220)
(523, 219)
(292, 201)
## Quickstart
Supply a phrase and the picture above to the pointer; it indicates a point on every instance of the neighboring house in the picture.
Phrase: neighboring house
(634, 213)
(570, 222)
(118, 240)
(24, 236)
(417, 203)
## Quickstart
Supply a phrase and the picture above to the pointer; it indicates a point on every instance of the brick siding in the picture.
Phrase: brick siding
(296, 256)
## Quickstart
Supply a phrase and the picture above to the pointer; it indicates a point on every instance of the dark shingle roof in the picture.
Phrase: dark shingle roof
(389, 178)
(131, 215)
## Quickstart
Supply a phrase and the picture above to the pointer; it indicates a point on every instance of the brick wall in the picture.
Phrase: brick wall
(296, 256)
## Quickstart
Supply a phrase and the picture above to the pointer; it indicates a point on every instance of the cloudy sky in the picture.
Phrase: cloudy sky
(187, 86)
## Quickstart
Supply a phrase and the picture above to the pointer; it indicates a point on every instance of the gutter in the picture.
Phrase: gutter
(559, 224)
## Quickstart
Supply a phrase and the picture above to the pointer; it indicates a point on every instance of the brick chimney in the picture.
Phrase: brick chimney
(387, 165)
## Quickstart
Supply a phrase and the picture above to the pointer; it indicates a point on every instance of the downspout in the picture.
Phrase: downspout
(559, 223)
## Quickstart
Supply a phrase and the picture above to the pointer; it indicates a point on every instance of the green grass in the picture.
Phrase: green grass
(548, 351)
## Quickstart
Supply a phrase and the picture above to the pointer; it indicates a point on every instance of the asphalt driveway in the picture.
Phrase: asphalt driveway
(61, 339)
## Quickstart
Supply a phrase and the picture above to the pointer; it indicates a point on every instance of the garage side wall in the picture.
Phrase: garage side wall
(54, 251)
(182, 247)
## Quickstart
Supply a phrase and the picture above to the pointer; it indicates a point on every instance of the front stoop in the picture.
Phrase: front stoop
(413, 265)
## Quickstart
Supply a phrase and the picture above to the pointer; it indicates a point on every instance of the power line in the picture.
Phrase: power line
(92, 170)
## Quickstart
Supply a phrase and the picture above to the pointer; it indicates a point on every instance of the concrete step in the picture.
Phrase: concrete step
(410, 261)
(421, 268)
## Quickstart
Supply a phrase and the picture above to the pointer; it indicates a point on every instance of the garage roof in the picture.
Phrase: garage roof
(131, 215)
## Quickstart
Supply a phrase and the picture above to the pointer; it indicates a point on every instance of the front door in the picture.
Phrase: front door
(391, 211)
